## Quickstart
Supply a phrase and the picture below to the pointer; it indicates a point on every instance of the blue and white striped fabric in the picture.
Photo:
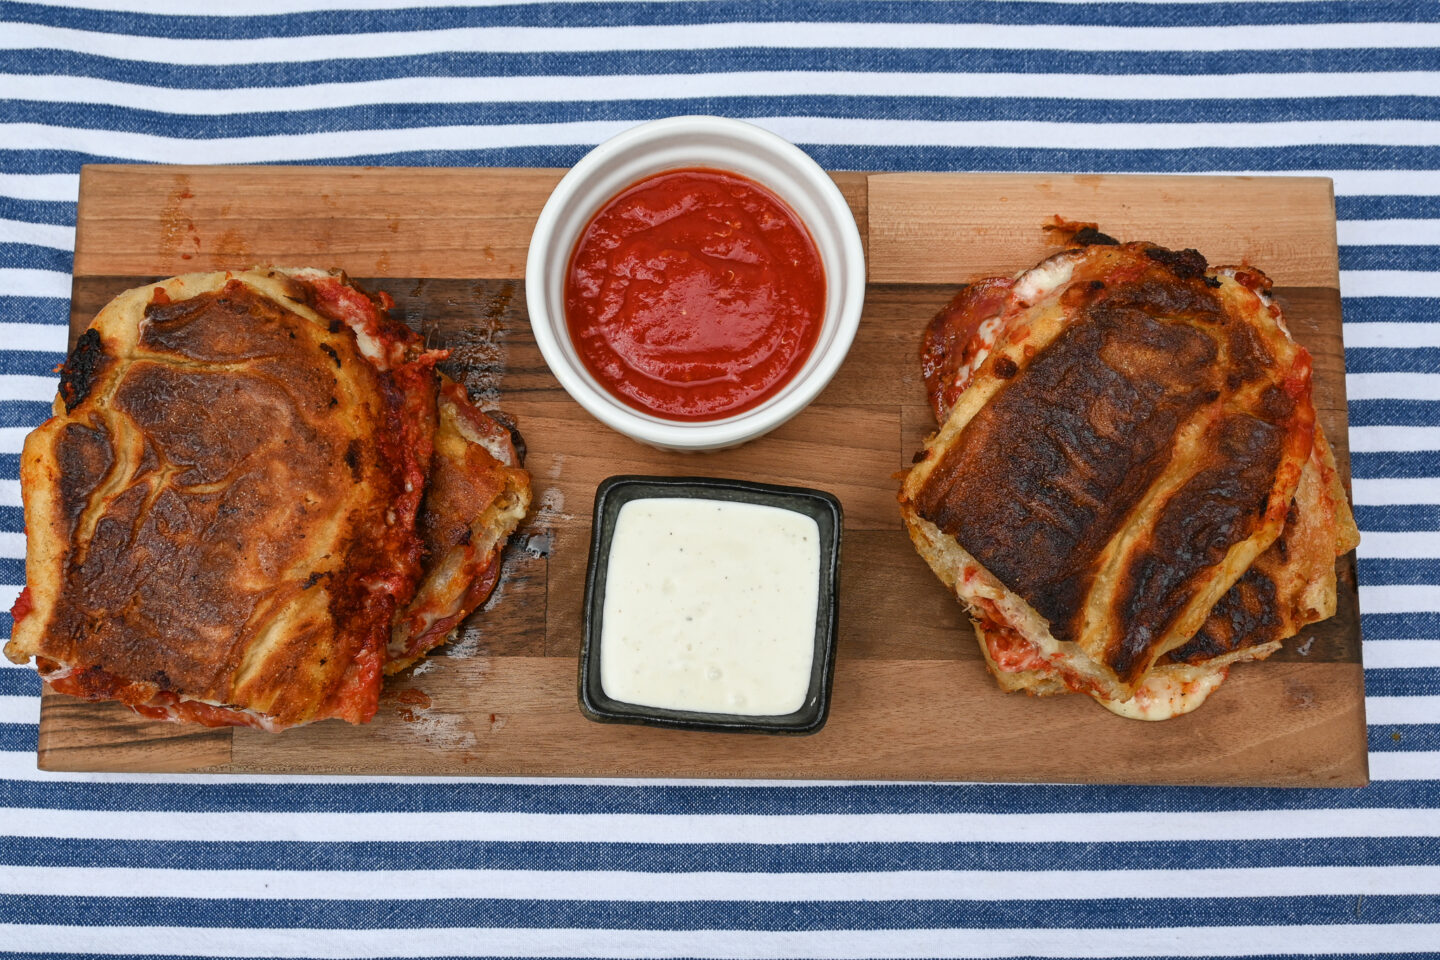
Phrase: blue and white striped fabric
(194, 866)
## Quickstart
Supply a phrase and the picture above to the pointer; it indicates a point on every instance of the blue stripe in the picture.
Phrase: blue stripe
(1399, 517)
(1393, 571)
(1403, 682)
(1392, 739)
(1391, 309)
(618, 14)
(104, 117)
(12, 519)
(19, 683)
(695, 800)
(33, 257)
(722, 60)
(35, 310)
(1379, 413)
(1394, 463)
(1392, 359)
(19, 737)
(1400, 626)
(1387, 208)
(717, 915)
(55, 212)
(863, 157)
(1399, 257)
(717, 857)
(38, 363)
(1410, 955)
(24, 413)
(12, 570)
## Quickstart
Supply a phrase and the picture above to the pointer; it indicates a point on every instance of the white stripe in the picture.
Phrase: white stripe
(1401, 654)
(19, 709)
(12, 545)
(1407, 545)
(40, 234)
(959, 36)
(1400, 598)
(1385, 232)
(1384, 333)
(9, 494)
(1100, 827)
(1388, 386)
(802, 130)
(1401, 710)
(1385, 439)
(12, 439)
(638, 886)
(1361, 183)
(1389, 283)
(18, 282)
(1328, 938)
(1388, 491)
(40, 186)
(1404, 765)
(49, 337)
(565, 89)
(24, 386)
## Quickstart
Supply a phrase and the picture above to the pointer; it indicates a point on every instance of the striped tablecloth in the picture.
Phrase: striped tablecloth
(203, 866)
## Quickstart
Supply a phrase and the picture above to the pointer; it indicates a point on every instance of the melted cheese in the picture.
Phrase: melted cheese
(1035, 284)
(985, 336)
(1163, 694)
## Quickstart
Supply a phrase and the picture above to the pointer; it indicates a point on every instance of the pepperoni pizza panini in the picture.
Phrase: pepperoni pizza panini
(1128, 489)
(476, 497)
(222, 512)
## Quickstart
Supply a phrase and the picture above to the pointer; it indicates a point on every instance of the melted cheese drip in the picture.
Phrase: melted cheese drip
(1163, 695)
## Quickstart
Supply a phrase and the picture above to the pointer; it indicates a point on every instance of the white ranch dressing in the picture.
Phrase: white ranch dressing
(710, 606)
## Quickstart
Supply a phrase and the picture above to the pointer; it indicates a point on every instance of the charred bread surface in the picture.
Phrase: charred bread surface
(222, 511)
(1128, 475)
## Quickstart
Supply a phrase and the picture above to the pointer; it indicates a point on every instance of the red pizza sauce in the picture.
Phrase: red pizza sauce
(694, 295)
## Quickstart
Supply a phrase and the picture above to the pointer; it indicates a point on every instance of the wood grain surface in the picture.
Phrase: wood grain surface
(912, 699)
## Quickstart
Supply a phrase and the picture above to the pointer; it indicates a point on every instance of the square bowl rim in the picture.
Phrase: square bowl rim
(618, 490)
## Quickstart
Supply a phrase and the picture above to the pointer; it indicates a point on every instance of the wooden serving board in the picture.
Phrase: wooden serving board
(912, 699)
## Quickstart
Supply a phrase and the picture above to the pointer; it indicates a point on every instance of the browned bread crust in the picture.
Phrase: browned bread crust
(477, 496)
(1126, 434)
(222, 512)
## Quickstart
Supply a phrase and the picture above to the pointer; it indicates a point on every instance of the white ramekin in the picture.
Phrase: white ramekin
(717, 143)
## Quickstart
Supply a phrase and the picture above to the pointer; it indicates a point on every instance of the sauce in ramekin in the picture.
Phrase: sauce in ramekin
(695, 294)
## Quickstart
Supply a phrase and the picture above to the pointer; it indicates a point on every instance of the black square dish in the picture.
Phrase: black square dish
(612, 494)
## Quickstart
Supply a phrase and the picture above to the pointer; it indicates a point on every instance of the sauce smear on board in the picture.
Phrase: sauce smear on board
(694, 295)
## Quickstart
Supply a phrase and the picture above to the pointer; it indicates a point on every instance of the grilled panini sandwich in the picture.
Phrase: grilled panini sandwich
(225, 513)
(1128, 489)
(476, 497)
